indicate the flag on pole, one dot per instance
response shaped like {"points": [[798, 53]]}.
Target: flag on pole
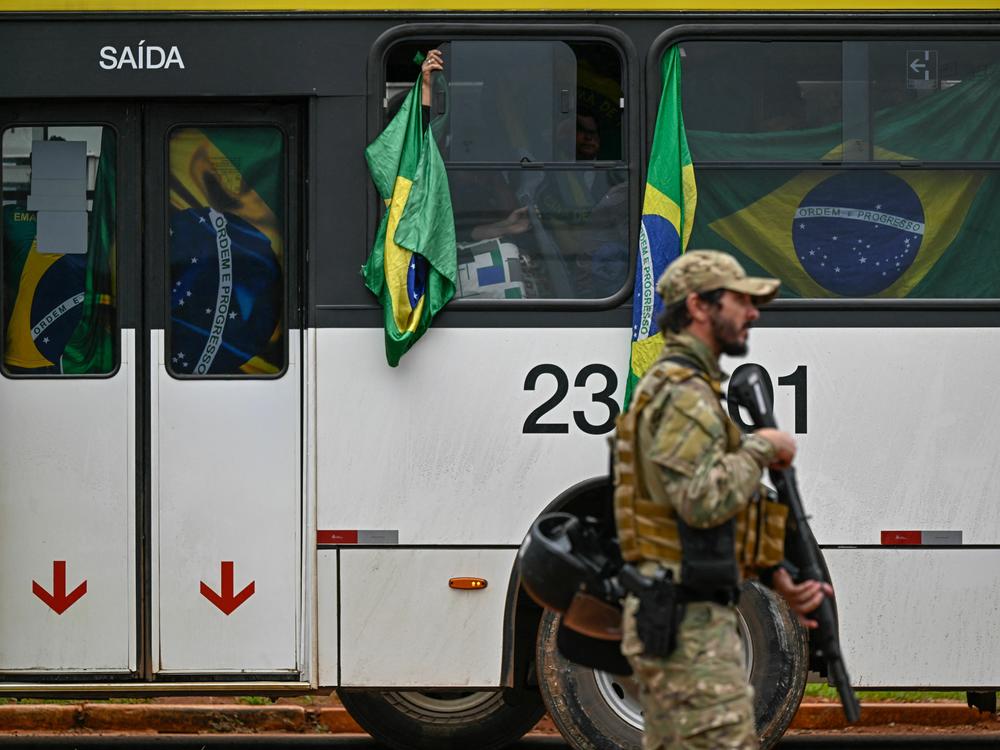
{"points": [[413, 265], [667, 218]]}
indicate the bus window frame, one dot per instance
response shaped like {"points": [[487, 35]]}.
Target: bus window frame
{"points": [[838, 30], [632, 116], [120, 266], [288, 306]]}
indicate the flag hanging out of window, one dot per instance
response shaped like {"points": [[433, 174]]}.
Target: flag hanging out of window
{"points": [[667, 218], [412, 267]]}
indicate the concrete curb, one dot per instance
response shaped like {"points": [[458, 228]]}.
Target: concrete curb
{"points": [[235, 719]]}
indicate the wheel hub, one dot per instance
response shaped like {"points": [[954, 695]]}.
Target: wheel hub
{"points": [[622, 696], [622, 693]]}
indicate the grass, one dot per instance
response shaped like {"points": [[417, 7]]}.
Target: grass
{"points": [[254, 700], [820, 690]]}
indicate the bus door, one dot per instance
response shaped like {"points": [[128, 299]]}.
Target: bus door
{"points": [[223, 341], [68, 404], [150, 393]]}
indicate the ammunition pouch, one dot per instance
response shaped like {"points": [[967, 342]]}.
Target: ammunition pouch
{"points": [[760, 528], [709, 569]]}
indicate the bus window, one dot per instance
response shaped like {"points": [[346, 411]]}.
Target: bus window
{"points": [[824, 202], [531, 133], [227, 251], [59, 253], [765, 91], [946, 105]]}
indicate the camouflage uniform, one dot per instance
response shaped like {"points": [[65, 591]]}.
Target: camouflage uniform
{"points": [[694, 461]]}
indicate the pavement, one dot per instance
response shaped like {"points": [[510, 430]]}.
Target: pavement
{"points": [[324, 715]]}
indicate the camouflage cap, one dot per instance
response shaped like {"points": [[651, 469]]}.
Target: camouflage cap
{"points": [[705, 270]]}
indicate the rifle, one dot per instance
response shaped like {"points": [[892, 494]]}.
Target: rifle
{"points": [[748, 390]]}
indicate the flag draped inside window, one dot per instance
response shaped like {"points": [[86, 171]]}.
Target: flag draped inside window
{"points": [[91, 348], [667, 217], [412, 267]]}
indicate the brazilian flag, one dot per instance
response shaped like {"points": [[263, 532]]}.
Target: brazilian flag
{"points": [[227, 251], [907, 230], [60, 307], [413, 266], [667, 219]]}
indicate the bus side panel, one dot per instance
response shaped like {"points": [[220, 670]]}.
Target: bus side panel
{"points": [[898, 434], [227, 509], [67, 484], [918, 618], [327, 594], [443, 449], [403, 625]]}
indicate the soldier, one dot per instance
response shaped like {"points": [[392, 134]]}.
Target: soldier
{"points": [[689, 509]]}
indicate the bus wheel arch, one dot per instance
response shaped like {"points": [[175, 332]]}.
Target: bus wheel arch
{"points": [[591, 497]]}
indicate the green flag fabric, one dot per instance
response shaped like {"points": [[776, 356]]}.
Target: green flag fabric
{"points": [[91, 348], [667, 217], [412, 268]]}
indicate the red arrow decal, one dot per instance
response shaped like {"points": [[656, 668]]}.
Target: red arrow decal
{"points": [[59, 601], [227, 602]]}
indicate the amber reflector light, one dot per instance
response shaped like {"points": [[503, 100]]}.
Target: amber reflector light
{"points": [[467, 584]]}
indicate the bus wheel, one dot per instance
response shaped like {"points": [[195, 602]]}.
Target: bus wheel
{"points": [[593, 710], [598, 711], [777, 658], [444, 720]]}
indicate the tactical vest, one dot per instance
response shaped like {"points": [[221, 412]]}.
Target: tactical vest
{"points": [[647, 530]]}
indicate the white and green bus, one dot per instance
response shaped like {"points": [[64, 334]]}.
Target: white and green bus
{"points": [[211, 481]]}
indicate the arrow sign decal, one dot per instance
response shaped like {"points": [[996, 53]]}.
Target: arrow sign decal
{"points": [[59, 601], [227, 601]]}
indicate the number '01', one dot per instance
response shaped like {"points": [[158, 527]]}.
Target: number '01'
{"points": [[796, 379]]}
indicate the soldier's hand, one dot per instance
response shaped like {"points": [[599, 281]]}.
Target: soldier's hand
{"points": [[784, 446], [803, 597]]}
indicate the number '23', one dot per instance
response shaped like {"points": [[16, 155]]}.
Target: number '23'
{"points": [[533, 423]]}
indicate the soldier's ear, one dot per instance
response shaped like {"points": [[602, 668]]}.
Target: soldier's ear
{"points": [[697, 307]]}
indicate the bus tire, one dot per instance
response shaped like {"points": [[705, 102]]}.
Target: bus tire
{"points": [[597, 711], [444, 720], [593, 710], [777, 648]]}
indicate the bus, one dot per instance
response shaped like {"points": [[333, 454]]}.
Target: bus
{"points": [[210, 480]]}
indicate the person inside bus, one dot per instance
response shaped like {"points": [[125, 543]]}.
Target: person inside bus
{"points": [[585, 211], [517, 229], [490, 222]]}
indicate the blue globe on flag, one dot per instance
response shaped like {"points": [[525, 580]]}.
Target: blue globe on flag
{"points": [[57, 305], [857, 233], [226, 293]]}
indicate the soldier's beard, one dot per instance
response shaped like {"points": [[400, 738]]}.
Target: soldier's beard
{"points": [[727, 335]]}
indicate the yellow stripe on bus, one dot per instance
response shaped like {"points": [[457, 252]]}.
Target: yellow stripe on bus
{"points": [[490, 5]]}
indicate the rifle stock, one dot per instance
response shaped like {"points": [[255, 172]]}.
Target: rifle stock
{"points": [[749, 391]]}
